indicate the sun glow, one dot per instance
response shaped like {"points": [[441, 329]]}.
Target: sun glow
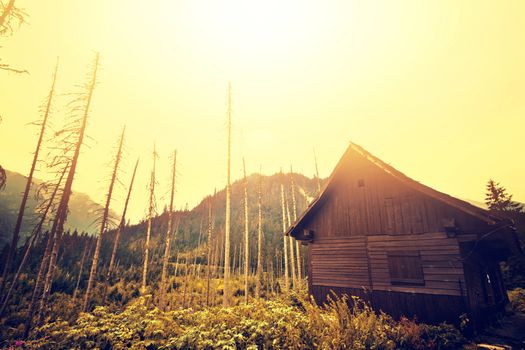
{"points": [[306, 73]]}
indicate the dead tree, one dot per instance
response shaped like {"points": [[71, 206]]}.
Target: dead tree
{"points": [[34, 236], [18, 225], [291, 245], [85, 254], [317, 174], [208, 252], [103, 224], [165, 260], [285, 241], [294, 213], [246, 235], [226, 296], [121, 225], [259, 241], [78, 129], [150, 218]]}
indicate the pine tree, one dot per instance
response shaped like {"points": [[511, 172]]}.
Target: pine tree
{"points": [[497, 198]]}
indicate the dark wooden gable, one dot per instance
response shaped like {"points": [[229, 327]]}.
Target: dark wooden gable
{"points": [[364, 196]]}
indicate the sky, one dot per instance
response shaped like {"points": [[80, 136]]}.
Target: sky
{"points": [[434, 88]]}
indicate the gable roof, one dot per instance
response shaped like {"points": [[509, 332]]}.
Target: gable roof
{"points": [[466, 207]]}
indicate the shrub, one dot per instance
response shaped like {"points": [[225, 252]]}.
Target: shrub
{"points": [[291, 322], [517, 299]]}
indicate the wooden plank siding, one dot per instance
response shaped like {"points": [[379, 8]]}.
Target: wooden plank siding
{"points": [[340, 262], [351, 261], [369, 211], [428, 308], [380, 205], [440, 260]]}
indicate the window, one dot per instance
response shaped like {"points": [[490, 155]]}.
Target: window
{"points": [[405, 268]]}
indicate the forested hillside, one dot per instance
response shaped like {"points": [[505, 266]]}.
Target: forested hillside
{"points": [[190, 236], [80, 216]]}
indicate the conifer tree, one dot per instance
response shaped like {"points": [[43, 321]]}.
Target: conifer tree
{"points": [[497, 198]]}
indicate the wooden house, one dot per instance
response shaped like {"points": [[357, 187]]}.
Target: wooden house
{"points": [[404, 247]]}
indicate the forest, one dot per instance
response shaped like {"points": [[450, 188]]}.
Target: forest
{"points": [[219, 275]]}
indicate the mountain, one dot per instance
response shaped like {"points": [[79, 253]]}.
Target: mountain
{"points": [[81, 208], [192, 227]]}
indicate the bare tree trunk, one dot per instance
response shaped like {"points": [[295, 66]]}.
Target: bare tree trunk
{"points": [[39, 280], [85, 254], [176, 265], [32, 239], [121, 225], [297, 246], [103, 226], [317, 174], [226, 296], [195, 270], [150, 218], [291, 245], [285, 239], [165, 260], [185, 284], [246, 235], [208, 252], [64, 203], [259, 240], [18, 225]]}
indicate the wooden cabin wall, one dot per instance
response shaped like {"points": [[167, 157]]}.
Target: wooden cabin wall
{"points": [[340, 262], [429, 308], [440, 261], [365, 200]]}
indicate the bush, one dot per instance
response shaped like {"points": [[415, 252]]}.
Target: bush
{"points": [[517, 299], [291, 322]]}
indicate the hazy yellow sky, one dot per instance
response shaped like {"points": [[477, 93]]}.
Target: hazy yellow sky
{"points": [[435, 88]]}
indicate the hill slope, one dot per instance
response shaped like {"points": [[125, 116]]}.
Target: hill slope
{"points": [[80, 217]]}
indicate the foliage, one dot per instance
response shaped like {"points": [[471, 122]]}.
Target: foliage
{"points": [[497, 198], [292, 322], [517, 299]]}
